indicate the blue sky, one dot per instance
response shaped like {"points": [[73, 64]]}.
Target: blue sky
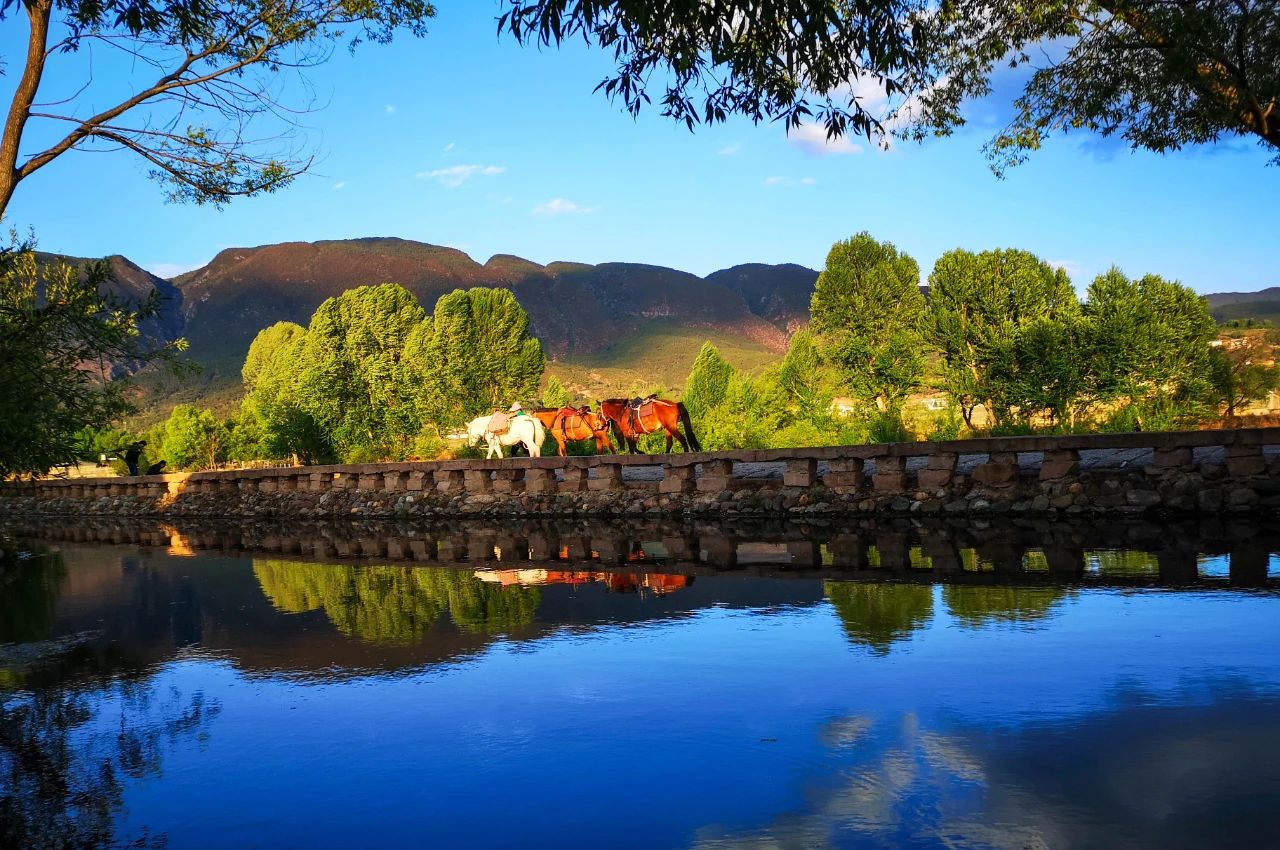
{"points": [[469, 140]]}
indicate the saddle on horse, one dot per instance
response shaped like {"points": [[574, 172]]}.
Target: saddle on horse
{"points": [[637, 408], [499, 423]]}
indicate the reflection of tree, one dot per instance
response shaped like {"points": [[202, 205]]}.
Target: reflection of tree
{"points": [[385, 604], [976, 607], [28, 594], [878, 615], [63, 769]]}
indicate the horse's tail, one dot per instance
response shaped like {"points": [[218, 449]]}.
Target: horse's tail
{"points": [[688, 426]]}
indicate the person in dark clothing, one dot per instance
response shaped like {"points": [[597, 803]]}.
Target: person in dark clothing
{"points": [[132, 455], [156, 468]]}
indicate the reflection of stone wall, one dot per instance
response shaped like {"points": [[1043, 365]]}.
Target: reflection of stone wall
{"points": [[995, 551], [1199, 472]]}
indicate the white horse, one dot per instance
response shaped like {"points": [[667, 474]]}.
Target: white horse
{"points": [[521, 429]]}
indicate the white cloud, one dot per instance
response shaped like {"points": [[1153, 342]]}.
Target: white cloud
{"points": [[1071, 267], [456, 175], [341, 184], [812, 139], [448, 147], [391, 108], [168, 270], [561, 206], [789, 181], [729, 150]]}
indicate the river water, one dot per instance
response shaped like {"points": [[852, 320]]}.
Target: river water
{"points": [[641, 687]]}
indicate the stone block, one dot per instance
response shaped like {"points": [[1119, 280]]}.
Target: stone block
{"points": [[508, 481], [537, 480], [448, 481], [1000, 470], [575, 479], [845, 474], [416, 480], [943, 460], [1245, 461], [889, 482], [1060, 464], [267, 485], [284, 484], [393, 481], [1178, 457], [932, 479], [717, 475], [477, 481], [370, 481], [608, 478], [801, 472], [676, 479]]}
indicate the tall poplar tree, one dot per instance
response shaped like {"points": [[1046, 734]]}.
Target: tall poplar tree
{"points": [[866, 312]]}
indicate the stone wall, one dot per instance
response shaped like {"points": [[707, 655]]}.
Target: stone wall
{"points": [[1193, 472]]}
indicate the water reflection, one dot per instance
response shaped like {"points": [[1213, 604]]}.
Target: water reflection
{"points": [[1185, 769], [860, 685]]}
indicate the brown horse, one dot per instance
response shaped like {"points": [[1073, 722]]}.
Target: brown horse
{"points": [[653, 415], [565, 423]]}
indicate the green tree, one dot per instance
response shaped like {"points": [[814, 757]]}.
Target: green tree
{"points": [[979, 306], [1148, 344], [475, 355], [272, 410], [866, 313], [1161, 75], [207, 73], [1049, 375], [1243, 371], [193, 439], [352, 376], [556, 395], [707, 383], [63, 344]]}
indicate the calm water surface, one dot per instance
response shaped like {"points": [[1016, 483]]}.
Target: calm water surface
{"points": [[172, 698]]}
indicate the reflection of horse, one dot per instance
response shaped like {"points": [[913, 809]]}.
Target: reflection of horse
{"points": [[567, 424], [654, 414], [525, 430]]}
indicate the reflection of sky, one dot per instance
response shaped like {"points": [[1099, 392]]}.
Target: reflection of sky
{"points": [[732, 728]]}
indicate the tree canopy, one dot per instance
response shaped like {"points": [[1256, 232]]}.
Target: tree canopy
{"points": [[981, 305], [1160, 75], [867, 312]]}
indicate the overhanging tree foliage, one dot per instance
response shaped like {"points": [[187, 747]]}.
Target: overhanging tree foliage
{"points": [[206, 77], [1160, 74]]}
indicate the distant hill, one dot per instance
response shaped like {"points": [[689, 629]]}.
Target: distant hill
{"points": [[577, 310], [779, 294], [135, 284], [1263, 305]]}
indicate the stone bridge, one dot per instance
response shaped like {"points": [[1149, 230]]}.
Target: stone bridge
{"points": [[1178, 472]]}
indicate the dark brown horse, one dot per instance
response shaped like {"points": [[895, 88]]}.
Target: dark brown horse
{"points": [[653, 415], [566, 423]]}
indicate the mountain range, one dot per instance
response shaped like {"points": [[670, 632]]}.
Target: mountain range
{"points": [[612, 327]]}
